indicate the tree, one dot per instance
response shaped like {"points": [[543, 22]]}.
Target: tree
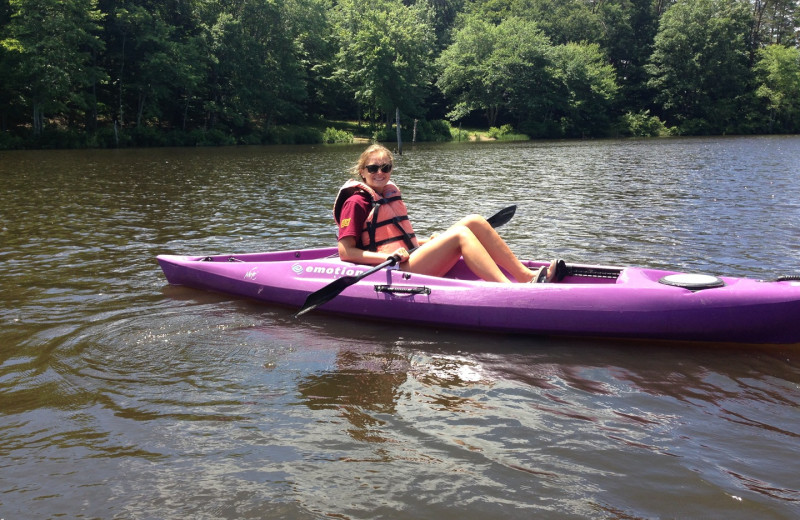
{"points": [[624, 29], [272, 81], [385, 56], [147, 62], [548, 90], [775, 21], [629, 28], [55, 43], [8, 65], [493, 67], [564, 21], [256, 76], [444, 14], [157, 65], [588, 89], [778, 73], [309, 22], [699, 65]]}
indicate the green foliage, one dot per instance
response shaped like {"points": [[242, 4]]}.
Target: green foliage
{"points": [[564, 21], [332, 136], [436, 130], [53, 44], [254, 66], [699, 67], [588, 89], [9, 141], [776, 22], [506, 133], [457, 134], [188, 72], [493, 67], [385, 54], [624, 29], [778, 78], [641, 124], [514, 68]]}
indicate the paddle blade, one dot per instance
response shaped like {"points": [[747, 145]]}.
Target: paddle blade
{"points": [[502, 217], [326, 294]]}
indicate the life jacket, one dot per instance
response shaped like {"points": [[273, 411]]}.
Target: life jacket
{"points": [[387, 226]]}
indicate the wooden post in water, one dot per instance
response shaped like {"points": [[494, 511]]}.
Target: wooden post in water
{"points": [[399, 139]]}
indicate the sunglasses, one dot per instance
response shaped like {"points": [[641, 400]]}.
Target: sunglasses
{"points": [[373, 168]]}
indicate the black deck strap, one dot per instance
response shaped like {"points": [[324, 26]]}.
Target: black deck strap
{"points": [[788, 278], [211, 259], [402, 289], [593, 272]]}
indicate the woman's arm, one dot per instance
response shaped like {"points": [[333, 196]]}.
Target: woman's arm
{"points": [[350, 253]]}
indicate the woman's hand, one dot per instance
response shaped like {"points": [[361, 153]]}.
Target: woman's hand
{"points": [[401, 254]]}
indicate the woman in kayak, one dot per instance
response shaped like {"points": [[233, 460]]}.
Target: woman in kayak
{"points": [[373, 223]]}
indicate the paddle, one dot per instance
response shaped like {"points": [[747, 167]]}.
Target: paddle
{"points": [[333, 289]]}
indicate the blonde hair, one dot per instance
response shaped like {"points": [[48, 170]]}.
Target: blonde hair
{"points": [[355, 171]]}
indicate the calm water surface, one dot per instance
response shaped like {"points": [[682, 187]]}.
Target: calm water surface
{"points": [[122, 397]]}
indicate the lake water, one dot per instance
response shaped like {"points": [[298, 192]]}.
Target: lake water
{"points": [[123, 397]]}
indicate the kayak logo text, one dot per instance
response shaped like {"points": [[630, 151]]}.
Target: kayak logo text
{"points": [[334, 271]]}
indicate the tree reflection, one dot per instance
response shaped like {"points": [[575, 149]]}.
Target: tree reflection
{"points": [[364, 383], [369, 382]]}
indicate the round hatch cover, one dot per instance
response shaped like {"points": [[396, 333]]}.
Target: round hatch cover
{"points": [[692, 281]]}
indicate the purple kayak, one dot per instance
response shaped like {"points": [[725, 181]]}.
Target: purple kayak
{"points": [[591, 301]]}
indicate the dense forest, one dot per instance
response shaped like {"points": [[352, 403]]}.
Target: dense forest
{"points": [[107, 73]]}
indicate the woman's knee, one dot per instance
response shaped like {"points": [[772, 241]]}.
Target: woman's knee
{"points": [[472, 220], [475, 223], [460, 229]]}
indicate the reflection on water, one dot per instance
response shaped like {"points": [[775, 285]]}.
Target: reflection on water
{"points": [[123, 397]]}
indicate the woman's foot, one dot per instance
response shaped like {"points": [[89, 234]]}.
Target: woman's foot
{"points": [[555, 272], [540, 275]]}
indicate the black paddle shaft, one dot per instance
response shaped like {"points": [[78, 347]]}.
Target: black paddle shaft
{"points": [[333, 289]]}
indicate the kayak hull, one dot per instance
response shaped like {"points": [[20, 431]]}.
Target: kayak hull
{"points": [[593, 301]]}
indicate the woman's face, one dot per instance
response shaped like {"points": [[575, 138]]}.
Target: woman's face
{"points": [[377, 171]]}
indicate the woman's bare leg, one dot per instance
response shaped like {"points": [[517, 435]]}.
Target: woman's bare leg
{"points": [[439, 255], [497, 247]]}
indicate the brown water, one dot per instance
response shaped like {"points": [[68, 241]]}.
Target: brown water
{"points": [[122, 397]]}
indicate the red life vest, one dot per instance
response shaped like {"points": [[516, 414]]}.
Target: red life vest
{"points": [[387, 226]]}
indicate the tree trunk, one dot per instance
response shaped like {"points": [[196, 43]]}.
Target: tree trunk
{"points": [[491, 115], [140, 108], [121, 71], [38, 119], [185, 113], [93, 118], [399, 138]]}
